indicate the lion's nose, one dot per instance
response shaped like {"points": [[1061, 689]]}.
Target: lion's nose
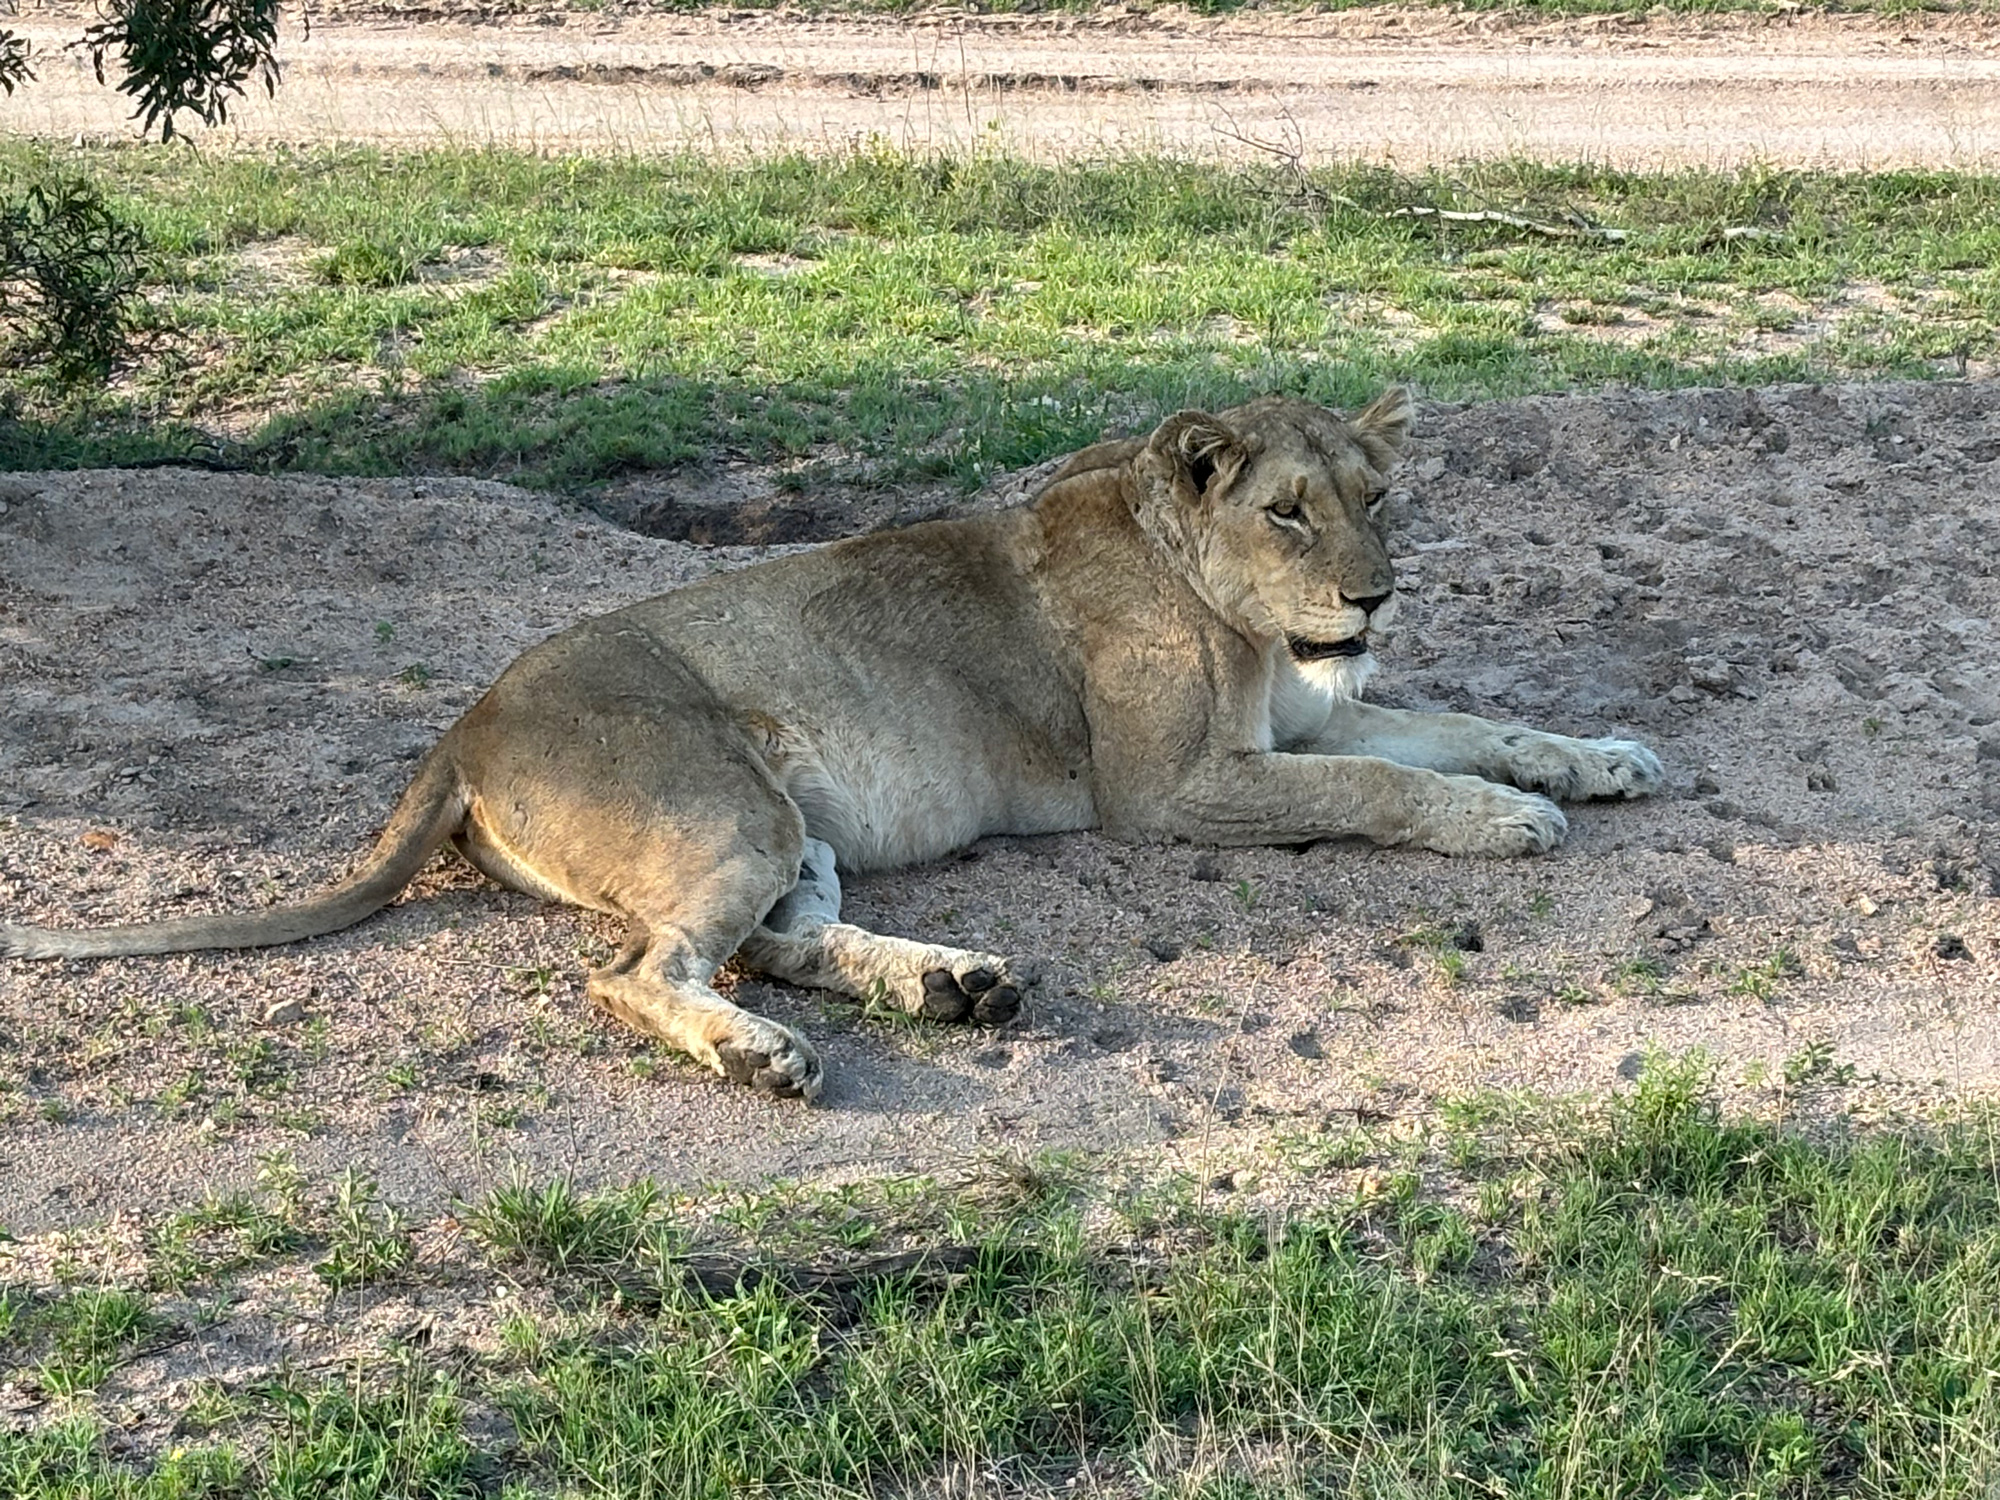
{"points": [[1372, 603]]}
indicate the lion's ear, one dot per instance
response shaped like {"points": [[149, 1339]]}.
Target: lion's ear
{"points": [[1383, 427], [1200, 447]]}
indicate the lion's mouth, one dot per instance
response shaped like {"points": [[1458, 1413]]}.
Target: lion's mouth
{"points": [[1305, 650]]}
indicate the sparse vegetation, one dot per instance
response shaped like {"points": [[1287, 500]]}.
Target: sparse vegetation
{"points": [[85, 1333], [1638, 1298], [368, 1240]]}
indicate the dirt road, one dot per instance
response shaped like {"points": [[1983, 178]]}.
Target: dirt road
{"points": [[1413, 87]]}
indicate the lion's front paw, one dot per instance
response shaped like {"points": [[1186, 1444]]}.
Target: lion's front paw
{"points": [[1624, 768], [981, 988], [1575, 770], [1486, 818], [769, 1058]]}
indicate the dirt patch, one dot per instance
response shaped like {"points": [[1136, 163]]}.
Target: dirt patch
{"points": [[1412, 87], [212, 687]]}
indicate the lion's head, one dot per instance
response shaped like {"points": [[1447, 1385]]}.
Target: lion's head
{"points": [[1270, 507]]}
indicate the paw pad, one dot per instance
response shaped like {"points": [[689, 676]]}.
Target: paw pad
{"points": [[747, 1066], [978, 995], [944, 999]]}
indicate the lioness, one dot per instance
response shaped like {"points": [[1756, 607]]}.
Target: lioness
{"points": [[1167, 643]]}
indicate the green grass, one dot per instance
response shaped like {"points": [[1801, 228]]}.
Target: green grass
{"points": [[564, 322], [79, 1336], [1651, 1300]]}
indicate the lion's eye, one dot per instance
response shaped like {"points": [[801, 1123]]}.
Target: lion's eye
{"points": [[1286, 510], [1375, 499]]}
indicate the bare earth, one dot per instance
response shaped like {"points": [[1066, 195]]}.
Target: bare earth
{"points": [[212, 686], [1410, 87]]}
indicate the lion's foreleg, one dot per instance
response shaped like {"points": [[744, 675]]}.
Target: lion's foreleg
{"points": [[1465, 745], [1294, 799]]}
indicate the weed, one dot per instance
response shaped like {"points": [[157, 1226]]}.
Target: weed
{"points": [[369, 264], [1760, 981], [1643, 975], [1814, 1066], [561, 1229], [179, 1093], [367, 1240], [219, 1236], [91, 1329], [533, 981]]}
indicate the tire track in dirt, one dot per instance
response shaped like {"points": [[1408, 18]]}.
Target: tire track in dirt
{"points": [[1413, 87]]}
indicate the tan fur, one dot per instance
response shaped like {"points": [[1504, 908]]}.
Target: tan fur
{"points": [[1124, 653]]}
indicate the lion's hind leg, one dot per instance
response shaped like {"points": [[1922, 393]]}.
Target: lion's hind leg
{"points": [[690, 900], [660, 986], [803, 941], [610, 779]]}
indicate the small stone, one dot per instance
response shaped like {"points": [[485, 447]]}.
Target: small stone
{"points": [[1467, 938], [1711, 674], [1306, 1044], [284, 1012], [1207, 868], [1160, 1070], [1951, 946], [1164, 949], [1821, 779]]}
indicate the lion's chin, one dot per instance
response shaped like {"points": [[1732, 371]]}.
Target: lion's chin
{"points": [[1339, 677]]}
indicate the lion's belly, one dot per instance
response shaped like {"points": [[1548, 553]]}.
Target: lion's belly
{"points": [[882, 798]]}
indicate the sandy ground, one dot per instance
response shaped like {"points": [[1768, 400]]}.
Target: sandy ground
{"points": [[1410, 87], [212, 686]]}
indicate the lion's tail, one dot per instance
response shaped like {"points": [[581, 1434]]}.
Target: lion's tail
{"points": [[429, 813]]}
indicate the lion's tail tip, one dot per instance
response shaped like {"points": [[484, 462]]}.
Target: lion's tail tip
{"points": [[27, 942]]}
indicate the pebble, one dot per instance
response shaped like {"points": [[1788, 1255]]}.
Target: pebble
{"points": [[284, 1012]]}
